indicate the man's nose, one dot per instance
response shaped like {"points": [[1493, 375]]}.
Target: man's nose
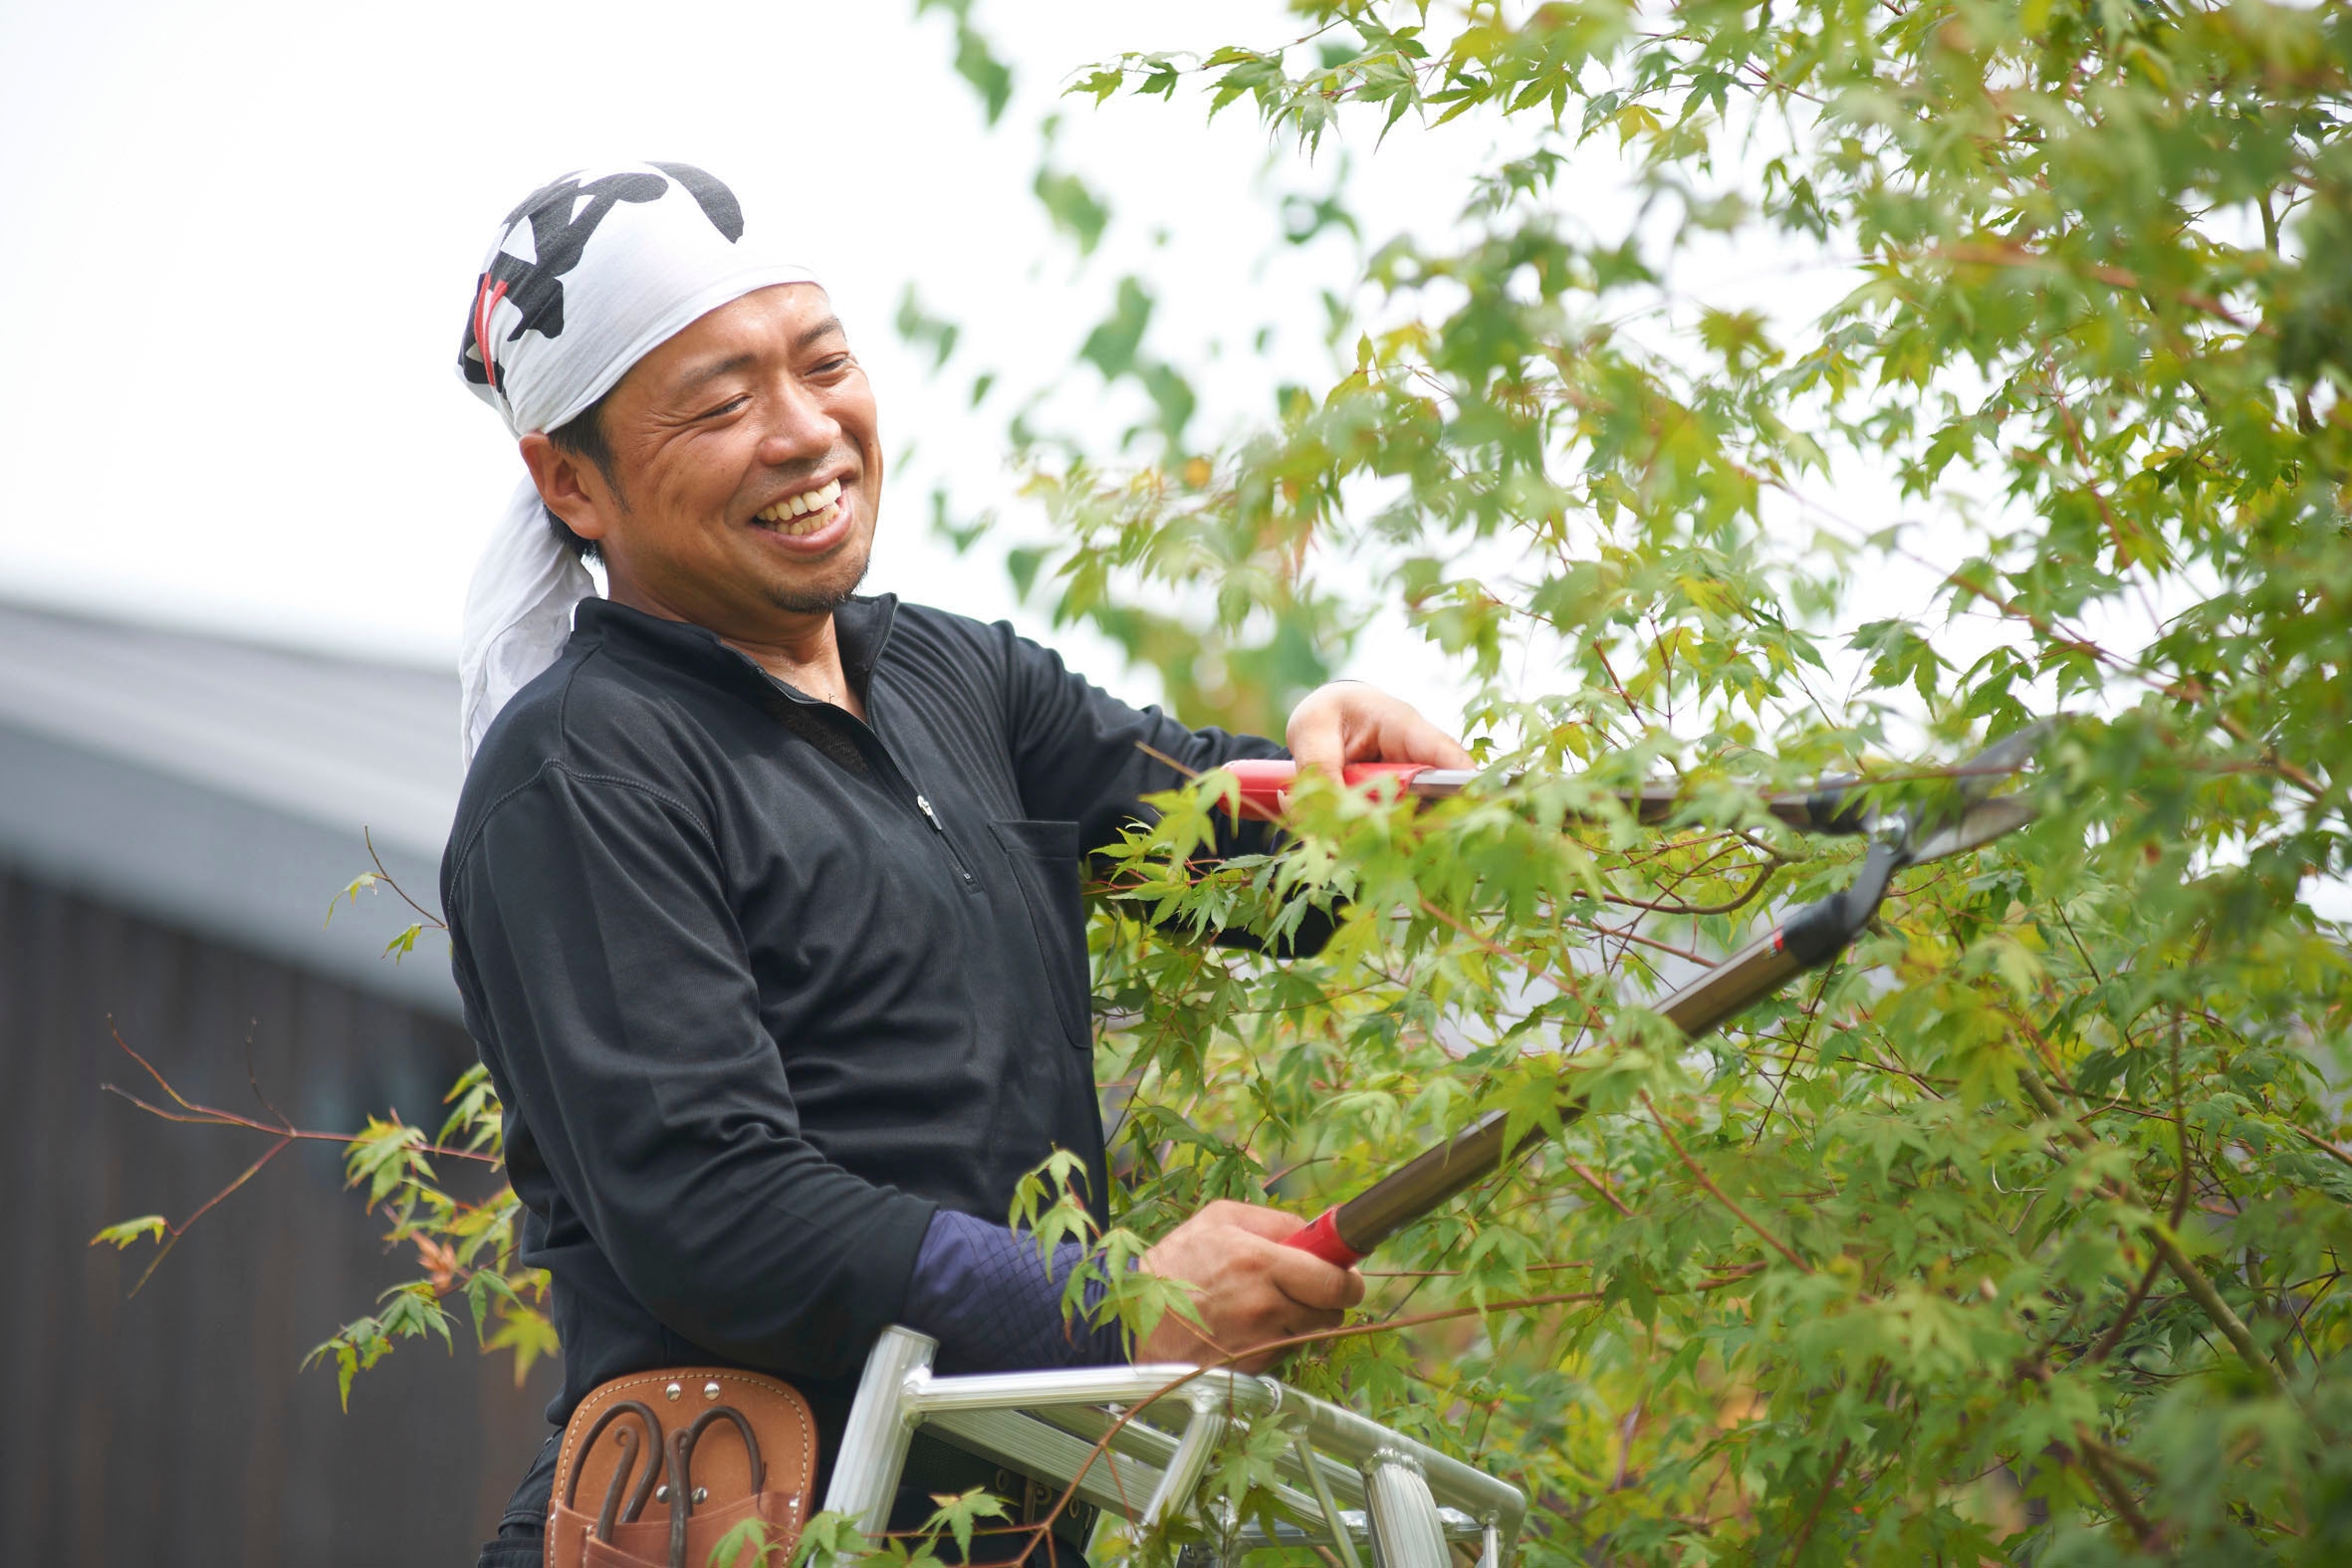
{"points": [[798, 426]]}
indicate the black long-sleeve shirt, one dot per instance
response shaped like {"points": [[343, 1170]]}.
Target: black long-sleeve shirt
{"points": [[762, 986]]}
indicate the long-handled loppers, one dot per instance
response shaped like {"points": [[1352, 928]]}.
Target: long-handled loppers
{"points": [[1804, 939]]}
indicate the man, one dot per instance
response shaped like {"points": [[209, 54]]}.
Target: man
{"points": [[765, 895]]}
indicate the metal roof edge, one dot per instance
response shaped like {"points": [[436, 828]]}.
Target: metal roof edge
{"points": [[228, 867], [93, 618]]}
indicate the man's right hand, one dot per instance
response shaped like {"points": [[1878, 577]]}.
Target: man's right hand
{"points": [[1249, 1289]]}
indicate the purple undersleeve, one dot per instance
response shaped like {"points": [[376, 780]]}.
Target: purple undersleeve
{"points": [[995, 1305]]}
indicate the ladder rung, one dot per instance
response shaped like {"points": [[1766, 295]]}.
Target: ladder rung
{"points": [[1030, 1445]]}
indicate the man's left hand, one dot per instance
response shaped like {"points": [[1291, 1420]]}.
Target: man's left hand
{"points": [[1349, 722]]}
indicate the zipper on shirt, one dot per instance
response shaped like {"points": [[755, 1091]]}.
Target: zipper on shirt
{"points": [[922, 804], [890, 761]]}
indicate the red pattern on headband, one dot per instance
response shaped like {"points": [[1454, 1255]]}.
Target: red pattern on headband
{"points": [[486, 299]]}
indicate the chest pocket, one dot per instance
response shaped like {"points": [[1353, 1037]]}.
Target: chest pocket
{"points": [[1044, 859]]}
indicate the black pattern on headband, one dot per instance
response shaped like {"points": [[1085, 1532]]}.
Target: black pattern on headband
{"points": [[564, 215]]}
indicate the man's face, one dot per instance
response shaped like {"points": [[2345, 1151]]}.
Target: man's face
{"points": [[715, 437]]}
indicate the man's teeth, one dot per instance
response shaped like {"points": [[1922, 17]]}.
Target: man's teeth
{"points": [[804, 513]]}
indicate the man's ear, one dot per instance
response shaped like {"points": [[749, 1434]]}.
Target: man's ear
{"points": [[568, 485]]}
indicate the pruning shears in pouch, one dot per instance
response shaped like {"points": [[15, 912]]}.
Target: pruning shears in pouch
{"points": [[1804, 939]]}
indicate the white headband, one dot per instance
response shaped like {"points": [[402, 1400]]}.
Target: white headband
{"points": [[591, 273]]}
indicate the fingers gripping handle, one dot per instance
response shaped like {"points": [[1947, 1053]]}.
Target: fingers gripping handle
{"points": [[1266, 780], [1323, 1240]]}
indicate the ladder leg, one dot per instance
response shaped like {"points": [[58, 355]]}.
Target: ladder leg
{"points": [[1185, 1467], [1342, 1539], [1403, 1515], [881, 1422]]}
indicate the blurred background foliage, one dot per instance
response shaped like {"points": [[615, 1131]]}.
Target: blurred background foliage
{"points": [[2018, 1235]]}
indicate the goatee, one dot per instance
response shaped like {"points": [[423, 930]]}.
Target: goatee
{"points": [[820, 599]]}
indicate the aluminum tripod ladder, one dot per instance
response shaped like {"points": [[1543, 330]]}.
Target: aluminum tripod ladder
{"points": [[1344, 1482]]}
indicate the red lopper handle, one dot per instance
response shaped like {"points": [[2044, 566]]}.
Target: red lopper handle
{"points": [[1323, 1240], [1266, 780]]}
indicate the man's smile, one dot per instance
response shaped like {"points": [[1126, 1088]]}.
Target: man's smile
{"points": [[807, 514]]}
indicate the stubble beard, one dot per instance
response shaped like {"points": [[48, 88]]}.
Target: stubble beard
{"points": [[823, 597]]}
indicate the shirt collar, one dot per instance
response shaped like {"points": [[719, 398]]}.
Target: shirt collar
{"points": [[862, 626]]}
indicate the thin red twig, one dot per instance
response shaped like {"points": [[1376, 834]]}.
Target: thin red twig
{"points": [[284, 1135], [1717, 1192]]}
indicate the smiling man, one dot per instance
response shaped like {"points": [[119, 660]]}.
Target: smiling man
{"points": [[765, 894]]}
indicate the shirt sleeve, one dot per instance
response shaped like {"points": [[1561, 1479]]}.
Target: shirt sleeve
{"points": [[1083, 756], [611, 971], [994, 1303]]}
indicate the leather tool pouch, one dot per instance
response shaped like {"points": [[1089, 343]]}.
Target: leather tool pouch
{"points": [[656, 1467]]}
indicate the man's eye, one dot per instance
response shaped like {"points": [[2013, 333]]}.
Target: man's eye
{"points": [[727, 407], [832, 363]]}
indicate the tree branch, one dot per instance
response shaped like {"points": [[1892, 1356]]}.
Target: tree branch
{"points": [[284, 1135], [1717, 1192]]}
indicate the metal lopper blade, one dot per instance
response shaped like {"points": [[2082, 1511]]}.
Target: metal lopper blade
{"points": [[1978, 825], [1984, 816]]}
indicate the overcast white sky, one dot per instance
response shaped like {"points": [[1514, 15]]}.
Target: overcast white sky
{"points": [[240, 238]]}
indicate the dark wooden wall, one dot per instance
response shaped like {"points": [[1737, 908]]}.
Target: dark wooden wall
{"points": [[173, 1427]]}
